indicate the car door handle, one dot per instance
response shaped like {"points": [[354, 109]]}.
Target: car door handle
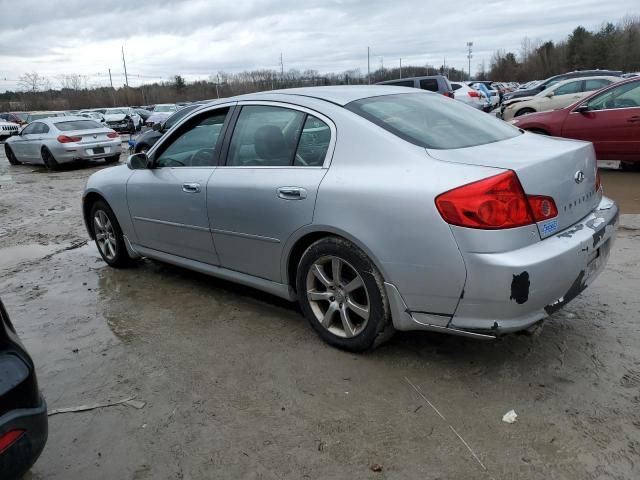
{"points": [[191, 187], [634, 119], [292, 193]]}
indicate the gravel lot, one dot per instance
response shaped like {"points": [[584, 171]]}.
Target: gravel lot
{"points": [[237, 385]]}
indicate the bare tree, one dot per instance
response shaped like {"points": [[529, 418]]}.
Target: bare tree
{"points": [[33, 82]]}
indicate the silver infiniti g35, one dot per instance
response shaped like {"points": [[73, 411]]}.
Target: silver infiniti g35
{"points": [[56, 140], [377, 208]]}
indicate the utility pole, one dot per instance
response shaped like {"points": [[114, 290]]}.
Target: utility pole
{"points": [[382, 63], [110, 79], [469, 49], [400, 67], [124, 63], [281, 67], [368, 65], [113, 94]]}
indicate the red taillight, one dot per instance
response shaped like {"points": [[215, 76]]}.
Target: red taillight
{"points": [[67, 139], [9, 439], [598, 182], [448, 94], [494, 203], [474, 93], [543, 208], [113, 135]]}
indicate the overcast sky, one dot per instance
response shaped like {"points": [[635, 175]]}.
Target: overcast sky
{"points": [[197, 38]]}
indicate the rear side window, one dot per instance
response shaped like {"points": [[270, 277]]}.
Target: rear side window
{"points": [[265, 137], [595, 84], [456, 86], [568, 88], [77, 125], [313, 144], [401, 83], [432, 121], [430, 84]]}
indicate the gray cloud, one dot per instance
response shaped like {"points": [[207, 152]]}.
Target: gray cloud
{"points": [[197, 38]]}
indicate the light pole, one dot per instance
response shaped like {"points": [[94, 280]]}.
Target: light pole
{"points": [[469, 49], [400, 67]]}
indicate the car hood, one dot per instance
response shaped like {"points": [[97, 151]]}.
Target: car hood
{"points": [[158, 117], [114, 117], [8, 124]]}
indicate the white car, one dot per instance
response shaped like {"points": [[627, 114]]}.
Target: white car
{"points": [[122, 119], [7, 129], [559, 95], [470, 96]]}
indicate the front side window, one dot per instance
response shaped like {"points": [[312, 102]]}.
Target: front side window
{"points": [[430, 84], [432, 121], [622, 96], [265, 136], [568, 88], [195, 143]]}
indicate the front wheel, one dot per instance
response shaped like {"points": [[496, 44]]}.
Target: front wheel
{"points": [[342, 295], [108, 236], [524, 111], [11, 156]]}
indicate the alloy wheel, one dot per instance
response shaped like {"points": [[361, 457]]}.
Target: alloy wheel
{"points": [[338, 296], [105, 236]]}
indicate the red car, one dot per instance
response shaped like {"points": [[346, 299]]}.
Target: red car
{"points": [[609, 118]]}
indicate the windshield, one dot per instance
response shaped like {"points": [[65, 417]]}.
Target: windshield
{"points": [[21, 116], [432, 121], [77, 125], [38, 116], [116, 111], [165, 108]]}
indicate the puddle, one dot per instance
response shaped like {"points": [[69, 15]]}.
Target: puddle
{"points": [[13, 256]]}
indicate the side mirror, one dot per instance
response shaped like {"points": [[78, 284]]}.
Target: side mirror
{"points": [[157, 126], [138, 161], [550, 94], [584, 108]]}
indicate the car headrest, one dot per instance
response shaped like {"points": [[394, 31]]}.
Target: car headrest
{"points": [[269, 143]]}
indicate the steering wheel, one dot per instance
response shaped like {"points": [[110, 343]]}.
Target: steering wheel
{"points": [[202, 158]]}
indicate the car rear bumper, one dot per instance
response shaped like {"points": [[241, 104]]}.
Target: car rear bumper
{"points": [[512, 291], [74, 152], [16, 460]]}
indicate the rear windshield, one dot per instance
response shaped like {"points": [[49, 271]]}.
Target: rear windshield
{"points": [[432, 121], [77, 125]]}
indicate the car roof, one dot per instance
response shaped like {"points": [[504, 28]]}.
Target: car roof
{"points": [[580, 79], [338, 94]]}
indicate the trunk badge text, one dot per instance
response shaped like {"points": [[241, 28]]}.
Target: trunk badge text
{"points": [[579, 176]]}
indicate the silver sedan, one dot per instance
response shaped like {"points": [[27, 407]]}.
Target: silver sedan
{"points": [[376, 208], [57, 140]]}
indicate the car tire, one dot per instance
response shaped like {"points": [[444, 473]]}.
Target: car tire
{"points": [[112, 159], [348, 308], [108, 236], [524, 111], [630, 166], [11, 156], [49, 160]]}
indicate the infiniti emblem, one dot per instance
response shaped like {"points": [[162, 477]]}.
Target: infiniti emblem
{"points": [[579, 176]]}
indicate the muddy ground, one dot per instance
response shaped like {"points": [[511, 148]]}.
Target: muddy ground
{"points": [[237, 385]]}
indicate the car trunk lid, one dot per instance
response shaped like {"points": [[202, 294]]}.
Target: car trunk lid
{"points": [[559, 168], [90, 136]]}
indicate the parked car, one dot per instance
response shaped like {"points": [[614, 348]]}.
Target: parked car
{"points": [[609, 118], [7, 129], [432, 83], [23, 410], [557, 96], [558, 78], [492, 91], [149, 137], [479, 231], [15, 117], [33, 116], [160, 113], [122, 119], [97, 116], [144, 113], [54, 141], [470, 96]]}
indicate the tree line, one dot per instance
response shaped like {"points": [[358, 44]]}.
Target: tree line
{"points": [[611, 47]]}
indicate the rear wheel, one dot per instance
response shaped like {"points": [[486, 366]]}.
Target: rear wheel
{"points": [[49, 160], [11, 156], [524, 111], [342, 295], [108, 236]]}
